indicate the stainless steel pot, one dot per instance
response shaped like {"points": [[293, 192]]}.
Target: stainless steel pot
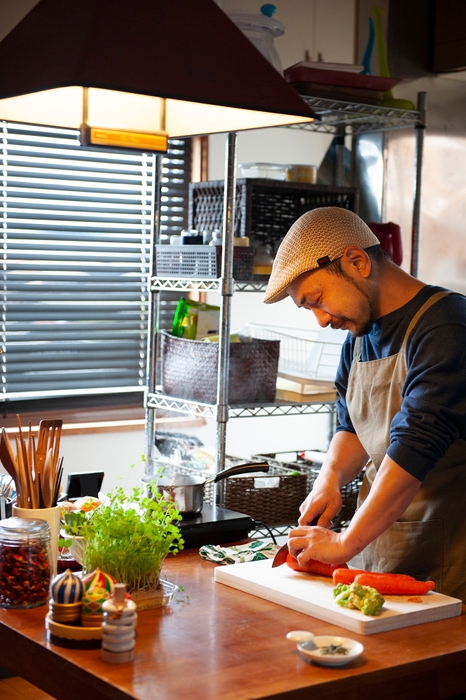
{"points": [[187, 490]]}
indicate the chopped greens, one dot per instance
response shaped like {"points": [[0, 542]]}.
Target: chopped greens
{"points": [[333, 649]]}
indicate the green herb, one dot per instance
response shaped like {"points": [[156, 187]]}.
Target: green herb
{"points": [[333, 649], [128, 536]]}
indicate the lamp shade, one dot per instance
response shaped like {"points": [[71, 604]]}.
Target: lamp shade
{"points": [[175, 67]]}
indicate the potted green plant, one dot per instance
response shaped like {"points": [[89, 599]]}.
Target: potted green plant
{"points": [[128, 536]]}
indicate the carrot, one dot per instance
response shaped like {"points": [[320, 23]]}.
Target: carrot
{"points": [[391, 584], [313, 566], [347, 576]]}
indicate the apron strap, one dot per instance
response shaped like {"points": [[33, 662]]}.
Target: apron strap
{"points": [[430, 302], [357, 349]]}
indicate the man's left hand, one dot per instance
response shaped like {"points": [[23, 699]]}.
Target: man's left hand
{"points": [[307, 543]]}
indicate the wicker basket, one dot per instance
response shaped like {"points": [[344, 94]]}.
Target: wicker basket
{"points": [[189, 370], [272, 498], [349, 493], [202, 261], [264, 208]]}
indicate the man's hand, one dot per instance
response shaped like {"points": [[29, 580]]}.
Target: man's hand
{"points": [[324, 502], [307, 543], [391, 493], [345, 459]]}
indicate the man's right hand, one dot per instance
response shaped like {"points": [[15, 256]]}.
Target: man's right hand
{"points": [[345, 459], [323, 503]]}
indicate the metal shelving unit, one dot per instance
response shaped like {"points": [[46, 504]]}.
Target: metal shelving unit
{"points": [[340, 118], [279, 408], [357, 118]]}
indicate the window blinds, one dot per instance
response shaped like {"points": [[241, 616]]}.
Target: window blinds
{"points": [[76, 234]]}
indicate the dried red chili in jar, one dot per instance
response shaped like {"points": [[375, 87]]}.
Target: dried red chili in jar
{"points": [[25, 563]]}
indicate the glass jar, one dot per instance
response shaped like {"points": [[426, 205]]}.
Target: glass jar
{"points": [[25, 563]]}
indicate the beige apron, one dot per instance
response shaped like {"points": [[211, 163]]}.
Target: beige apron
{"points": [[429, 539]]}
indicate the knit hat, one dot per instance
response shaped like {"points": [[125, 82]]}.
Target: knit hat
{"points": [[318, 237]]}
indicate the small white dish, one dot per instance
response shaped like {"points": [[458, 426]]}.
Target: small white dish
{"points": [[300, 636], [324, 650]]}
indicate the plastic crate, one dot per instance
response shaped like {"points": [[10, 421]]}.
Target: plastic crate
{"points": [[302, 357], [202, 261], [311, 470], [189, 370], [264, 209]]}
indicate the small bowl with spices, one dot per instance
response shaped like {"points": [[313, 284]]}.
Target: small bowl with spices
{"points": [[330, 651]]}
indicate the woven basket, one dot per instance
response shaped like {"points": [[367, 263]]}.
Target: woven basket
{"points": [[264, 208], [189, 370], [272, 498], [349, 493]]}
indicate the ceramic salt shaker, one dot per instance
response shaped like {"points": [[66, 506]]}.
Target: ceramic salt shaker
{"points": [[118, 627]]}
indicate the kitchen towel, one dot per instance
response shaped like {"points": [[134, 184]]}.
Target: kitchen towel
{"points": [[253, 551]]}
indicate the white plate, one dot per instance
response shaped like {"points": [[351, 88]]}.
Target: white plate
{"points": [[318, 656]]}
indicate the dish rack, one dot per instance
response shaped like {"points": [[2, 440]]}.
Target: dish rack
{"points": [[301, 356]]}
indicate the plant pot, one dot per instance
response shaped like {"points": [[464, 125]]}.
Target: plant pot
{"points": [[76, 548]]}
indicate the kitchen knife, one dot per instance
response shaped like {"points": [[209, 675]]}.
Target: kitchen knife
{"points": [[280, 557]]}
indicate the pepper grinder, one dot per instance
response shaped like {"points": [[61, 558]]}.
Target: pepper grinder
{"points": [[118, 627]]}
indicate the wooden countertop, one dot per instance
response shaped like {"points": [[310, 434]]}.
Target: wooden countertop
{"points": [[216, 642]]}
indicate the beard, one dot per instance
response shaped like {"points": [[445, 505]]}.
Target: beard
{"points": [[362, 325]]}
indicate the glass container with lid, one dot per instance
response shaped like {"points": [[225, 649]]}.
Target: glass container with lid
{"points": [[25, 563]]}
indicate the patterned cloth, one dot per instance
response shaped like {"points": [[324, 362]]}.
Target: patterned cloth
{"points": [[254, 551]]}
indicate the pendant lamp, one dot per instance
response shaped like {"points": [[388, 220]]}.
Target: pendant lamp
{"points": [[133, 73]]}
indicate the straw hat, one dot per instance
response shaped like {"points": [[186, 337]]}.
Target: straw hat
{"points": [[318, 237]]}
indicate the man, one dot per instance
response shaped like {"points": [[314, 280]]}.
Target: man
{"points": [[401, 406]]}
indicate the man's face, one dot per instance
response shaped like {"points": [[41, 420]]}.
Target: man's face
{"points": [[344, 303]]}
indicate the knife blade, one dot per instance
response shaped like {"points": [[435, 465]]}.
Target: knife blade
{"points": [[280, 556]]}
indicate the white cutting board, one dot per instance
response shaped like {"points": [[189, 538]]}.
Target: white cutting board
{"points": [[312, 595]]}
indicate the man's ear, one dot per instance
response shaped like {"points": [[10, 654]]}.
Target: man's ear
{"points": [[356, 261]]}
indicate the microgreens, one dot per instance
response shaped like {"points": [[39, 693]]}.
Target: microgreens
{"points": [[128, 536]]}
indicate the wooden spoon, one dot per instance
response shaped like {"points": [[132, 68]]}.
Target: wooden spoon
{"points": [[6, 455]]}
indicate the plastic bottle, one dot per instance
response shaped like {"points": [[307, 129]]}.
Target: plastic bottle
{"points": [[118, 627], [216, 238]]}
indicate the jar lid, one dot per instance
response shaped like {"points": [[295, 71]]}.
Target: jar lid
{"points": [[17, 529]]}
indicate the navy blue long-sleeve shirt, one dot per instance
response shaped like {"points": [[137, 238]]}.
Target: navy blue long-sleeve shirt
{"points": [[433, 412]]}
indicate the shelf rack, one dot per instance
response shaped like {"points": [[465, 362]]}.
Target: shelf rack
{"points": [[184, 284], [357, 118], [337, 117], [278, 408]]}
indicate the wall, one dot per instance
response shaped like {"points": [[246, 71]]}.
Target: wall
{"points": [[319, 27], [442, 258]]}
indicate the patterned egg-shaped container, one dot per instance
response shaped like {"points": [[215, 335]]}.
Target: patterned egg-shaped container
{"points": [[66, 588], [93, 599], [98, 578]]}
